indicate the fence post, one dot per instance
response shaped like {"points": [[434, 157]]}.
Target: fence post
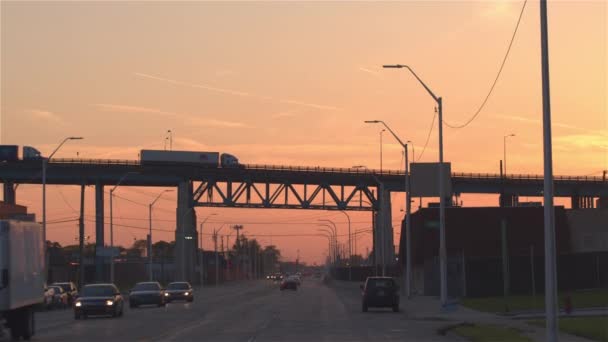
{"points": [[505, 262], [464, 275], [597, 270], [532, 272]]}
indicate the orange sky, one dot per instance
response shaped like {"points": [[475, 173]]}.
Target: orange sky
{"points": [[291, 83]]}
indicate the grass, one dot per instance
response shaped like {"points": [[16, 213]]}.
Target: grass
{"points": [[595, 328], [580, 299], [489, 333]]}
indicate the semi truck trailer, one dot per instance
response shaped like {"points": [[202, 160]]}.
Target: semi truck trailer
{"points": [[208, 159], [21, 275]]}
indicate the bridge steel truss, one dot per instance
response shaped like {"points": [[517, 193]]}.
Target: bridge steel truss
{"points": [[284, 195]]}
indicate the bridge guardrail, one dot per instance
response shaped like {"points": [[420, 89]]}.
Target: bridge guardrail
{"points": [[488, 176], [95, 161]]}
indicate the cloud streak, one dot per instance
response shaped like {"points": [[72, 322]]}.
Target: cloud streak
{"points": [[189, 119], [44, 115], [236, 92], [555, 124]]}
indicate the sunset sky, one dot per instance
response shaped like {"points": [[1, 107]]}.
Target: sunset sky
{"points": [[290, 83]]}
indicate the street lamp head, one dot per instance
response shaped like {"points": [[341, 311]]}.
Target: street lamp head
{"points": [[372, 121], [75, 138], [393, 66]]}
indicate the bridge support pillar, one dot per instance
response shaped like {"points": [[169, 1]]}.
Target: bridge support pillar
{"points": [[385, 248], [508, 200], [186, 235], [9, 193], [99, 233]]}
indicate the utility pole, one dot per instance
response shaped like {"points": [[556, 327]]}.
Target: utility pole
{"points": [[549, 210], [81, 239], [217, 259], [238, 228]]}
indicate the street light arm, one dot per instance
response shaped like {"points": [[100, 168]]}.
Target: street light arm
{"points": [[63, 142], [424, 85], [393, 133], [158, 197]]}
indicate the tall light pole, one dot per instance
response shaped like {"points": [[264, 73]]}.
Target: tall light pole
{"points": [[150, 233], [200, 252], [44, 165], [504, 152], [328, 243], [549, 210], [350, 244], [112, 224], [217, 259], [170, 139], [330, 237], [442, 249], [408, 208], [335, 240], [382, 131], [334, 228]]}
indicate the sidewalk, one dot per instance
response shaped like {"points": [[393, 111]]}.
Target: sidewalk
{"points": [[427, 308]]}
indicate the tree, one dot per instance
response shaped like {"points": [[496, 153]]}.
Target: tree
{"points": [[138, 248]]}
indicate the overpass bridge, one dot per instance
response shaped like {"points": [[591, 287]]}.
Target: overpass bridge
{"points": [[275, 186]]}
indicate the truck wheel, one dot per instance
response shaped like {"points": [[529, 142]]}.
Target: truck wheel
{"points": [[28, 325]]}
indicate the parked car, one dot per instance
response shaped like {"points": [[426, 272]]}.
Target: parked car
{"points": [[99, 299], [49, 298], [149, 292], [179, 290], [70, 289], [289, 283], [380, 292], [60, 297]]}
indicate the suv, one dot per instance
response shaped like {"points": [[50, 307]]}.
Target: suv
{"points": [[70, 289], [380, 292]]}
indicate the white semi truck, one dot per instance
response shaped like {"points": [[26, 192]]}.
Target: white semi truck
{"points": [[206, 159], [21, 275]]}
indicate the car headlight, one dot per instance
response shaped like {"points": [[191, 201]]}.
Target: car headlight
{"points": [[166, 294], [78, 304], [186, 293], [109, 303]]}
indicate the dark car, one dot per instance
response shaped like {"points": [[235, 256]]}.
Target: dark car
{"points": [[380, 292], [179, 290], [70, 290], [289, 283], [99, 299], [146, 293]]}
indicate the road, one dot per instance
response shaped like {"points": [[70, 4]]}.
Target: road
{"points": [[249, 311]]}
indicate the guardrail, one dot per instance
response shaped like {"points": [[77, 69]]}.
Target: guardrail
{"points": [[94, 161], [360, 171]]}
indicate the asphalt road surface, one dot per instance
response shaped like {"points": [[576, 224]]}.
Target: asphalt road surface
{"points": [[248, 311]]}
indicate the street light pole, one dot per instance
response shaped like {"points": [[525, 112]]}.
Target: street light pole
{"points": [[350, 252], [504, 153], [382, 131], [442, 247], [549, 210], [200, 252], [150, 233], [334, 229], [112, 225], [408, 207], [44, 166]]}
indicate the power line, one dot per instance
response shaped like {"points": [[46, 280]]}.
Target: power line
{"points": [[428, 137], [504, 60], [66, 201]]}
